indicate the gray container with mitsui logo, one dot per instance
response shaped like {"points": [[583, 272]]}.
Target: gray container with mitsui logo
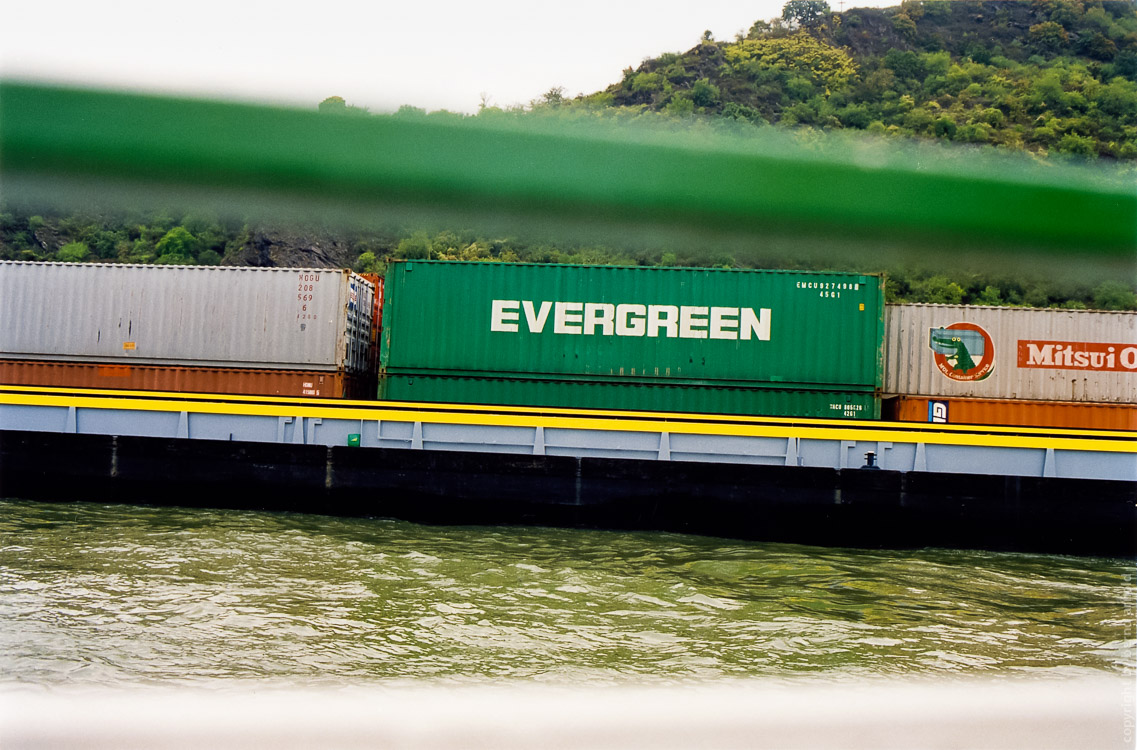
{"points": [[1011, 353], [188, 316]]}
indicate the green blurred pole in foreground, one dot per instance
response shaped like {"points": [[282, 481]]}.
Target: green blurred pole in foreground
{"points": [[77, 148]]}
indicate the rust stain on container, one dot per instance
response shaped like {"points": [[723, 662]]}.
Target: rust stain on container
{"points": [[107, 371]]}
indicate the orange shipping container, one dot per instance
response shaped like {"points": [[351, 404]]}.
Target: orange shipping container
{"points": [[232, 381], [377, 312], [1096, 416], [376, 318]]}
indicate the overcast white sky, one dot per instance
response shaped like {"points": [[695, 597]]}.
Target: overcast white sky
{"points": [[430, 54]]}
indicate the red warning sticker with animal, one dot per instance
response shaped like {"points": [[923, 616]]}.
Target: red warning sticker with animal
{"points": [[963, 351]]}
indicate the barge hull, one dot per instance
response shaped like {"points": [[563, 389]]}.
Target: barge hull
{"points": [[811, 505]]}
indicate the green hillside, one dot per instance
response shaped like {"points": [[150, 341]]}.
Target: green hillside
{"points": [[1049, 76], [1054, 78]]}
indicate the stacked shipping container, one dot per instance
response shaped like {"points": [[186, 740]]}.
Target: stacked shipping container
{"points": [[1011, 366], [376, 321], [689, 340], [274, 331], [238, 381], [661, 339]]}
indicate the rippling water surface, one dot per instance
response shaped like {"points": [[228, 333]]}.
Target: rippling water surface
{"points": [[125, 595]]}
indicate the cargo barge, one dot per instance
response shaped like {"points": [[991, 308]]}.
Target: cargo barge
{"points": [[737, 403], [793, 480]]}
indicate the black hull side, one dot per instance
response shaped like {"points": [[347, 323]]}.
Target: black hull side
{"points": [[851, 507]]}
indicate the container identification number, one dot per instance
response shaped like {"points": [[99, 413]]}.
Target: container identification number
{"points": [[305, 293], [829, 289]]}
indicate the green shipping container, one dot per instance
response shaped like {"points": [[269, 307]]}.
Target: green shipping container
{"points": [[767, 401], [562, 335]]}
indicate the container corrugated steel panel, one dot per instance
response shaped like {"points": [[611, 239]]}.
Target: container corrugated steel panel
{"points": [[376, 319], [130, 376], [1022, 356], [767, 401], [639, 325], [1079, 415], [288, 318], [377, 305]]}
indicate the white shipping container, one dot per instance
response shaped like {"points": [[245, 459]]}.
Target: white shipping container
{"points": [[210, 316], [1011, 353]]}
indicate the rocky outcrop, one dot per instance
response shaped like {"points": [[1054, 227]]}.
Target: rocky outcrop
{"points": [[280, 249]]}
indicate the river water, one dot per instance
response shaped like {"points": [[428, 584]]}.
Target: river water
{"points": [[119, 595]]}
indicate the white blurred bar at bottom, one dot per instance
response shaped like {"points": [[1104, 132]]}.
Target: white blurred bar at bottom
{"points": [[1027, 713]]}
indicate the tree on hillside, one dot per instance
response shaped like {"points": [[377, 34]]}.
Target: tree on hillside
{"points": [[333, 104], [177, 247], [554, 97], [73, 252], [1048, 38], [337, 105], [821, 63], [807, 13]]}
